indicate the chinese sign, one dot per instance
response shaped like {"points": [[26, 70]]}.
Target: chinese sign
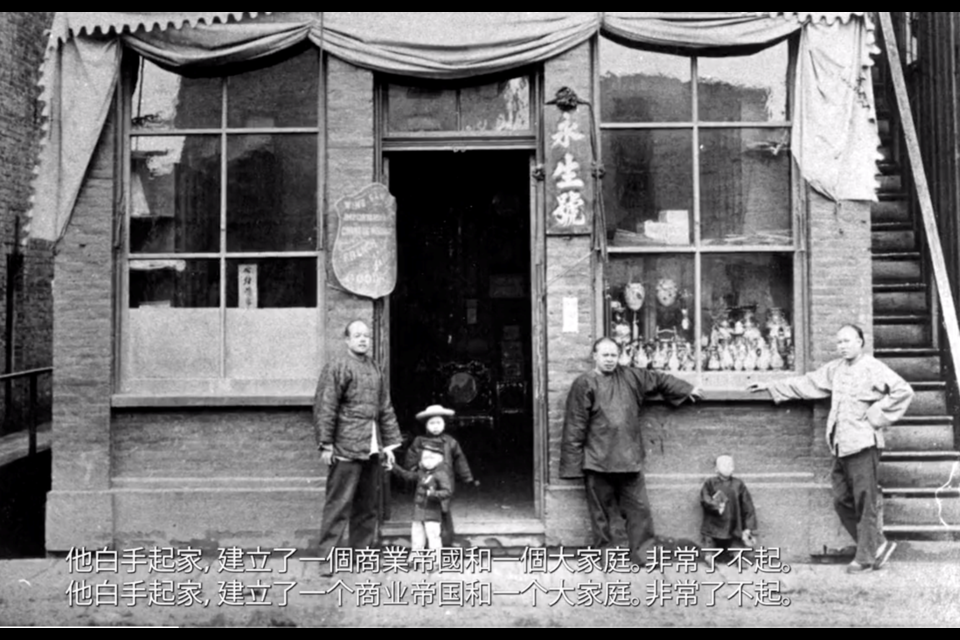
{"points": [[365, 250], [569, 210], [248, 286]]}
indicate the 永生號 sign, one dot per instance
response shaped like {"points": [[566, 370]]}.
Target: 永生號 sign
{"points": [[364, 256]]}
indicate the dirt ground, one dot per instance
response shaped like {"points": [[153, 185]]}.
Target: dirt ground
{"points": [[515, 593]]}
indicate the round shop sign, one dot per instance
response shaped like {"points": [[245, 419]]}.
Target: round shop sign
{"points": [[365, 251]]}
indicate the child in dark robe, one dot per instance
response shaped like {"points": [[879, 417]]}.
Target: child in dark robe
{"points": [[729, 517], [432, 500], [454, 459]]}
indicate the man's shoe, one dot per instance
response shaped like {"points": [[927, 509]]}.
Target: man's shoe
{"points": [[883, 554], [855, 568]]}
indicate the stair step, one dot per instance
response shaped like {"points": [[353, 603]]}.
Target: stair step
{"points": [[905, 319], [890, 240], [910, 298], [921, 456], [890, 183], [897, 267], [925, 421], [944, 511], [893, 208], [927, 438], [920, 475], [901, 335], [921, 493], [915, 533], [928, 352], [914, 369]]}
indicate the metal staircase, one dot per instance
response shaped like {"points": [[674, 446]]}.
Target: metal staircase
{"points": [[920, 471]]}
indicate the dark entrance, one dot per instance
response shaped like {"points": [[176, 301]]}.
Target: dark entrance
{"points": [[460, 320]]}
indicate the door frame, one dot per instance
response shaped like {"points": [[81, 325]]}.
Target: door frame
{"points": [[538, 352]]}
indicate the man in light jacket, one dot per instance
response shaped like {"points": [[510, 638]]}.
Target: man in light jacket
{"points": [[866, 396]]}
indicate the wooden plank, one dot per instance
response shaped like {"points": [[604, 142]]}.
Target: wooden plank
{"points": [[948, 305]]}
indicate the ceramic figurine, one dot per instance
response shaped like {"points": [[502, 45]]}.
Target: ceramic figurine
{"points": [[673, 364], [685, 323], [776, 360], [640, 360], [726, 358], [690, 359], [725, 331], [752, 356], [763, 361], [625, 358], [660, 359], [740, 359], [714, 364]]}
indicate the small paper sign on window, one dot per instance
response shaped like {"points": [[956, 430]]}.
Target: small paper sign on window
{"points": [[249, 292]]}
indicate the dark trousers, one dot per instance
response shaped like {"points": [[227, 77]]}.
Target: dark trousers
{"points": [[353, 496], [856, 497], [609, 494]]}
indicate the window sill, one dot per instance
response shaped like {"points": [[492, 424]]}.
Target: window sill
{"points": [[198, 402]]}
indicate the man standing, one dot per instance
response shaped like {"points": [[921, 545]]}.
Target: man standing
{"points": [[356, 426], [603, 443], [866, 396]]}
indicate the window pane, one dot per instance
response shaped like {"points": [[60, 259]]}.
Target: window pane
{"points": [[745, 187], [502, 106], [421, 109], [174, 284], [272, 193], [747, 89], [748, 312], [175, 195], [272, 284], [640, 86], [164, 100], [651, 311], [284, 95], [648, 189]]}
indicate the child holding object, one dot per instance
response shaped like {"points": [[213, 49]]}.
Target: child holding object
{"points": [[729, 518], [432, 500]]}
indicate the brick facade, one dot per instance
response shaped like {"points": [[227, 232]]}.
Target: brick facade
{"points": [[22, 41], [252, 477]]}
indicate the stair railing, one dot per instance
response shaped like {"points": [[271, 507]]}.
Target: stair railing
{"points": [[947, 305]]}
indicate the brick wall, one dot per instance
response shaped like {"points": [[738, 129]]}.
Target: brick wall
{"points": [[22, 41]]}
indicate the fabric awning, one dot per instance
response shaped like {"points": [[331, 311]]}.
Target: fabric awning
{"points": [[835, 131]]}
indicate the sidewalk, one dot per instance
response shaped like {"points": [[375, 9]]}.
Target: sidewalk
{"points": [[39, 592]]}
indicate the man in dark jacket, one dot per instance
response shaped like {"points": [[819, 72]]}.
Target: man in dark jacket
{"points": [[603, 443], [356, 426]]}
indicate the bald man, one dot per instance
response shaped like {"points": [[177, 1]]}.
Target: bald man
{"points": [[603, 443], [357, 432], [866, 396]]}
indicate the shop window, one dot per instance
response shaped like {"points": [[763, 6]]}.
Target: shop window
{"points": [[701, 210], [500, 107], [221, 270]]}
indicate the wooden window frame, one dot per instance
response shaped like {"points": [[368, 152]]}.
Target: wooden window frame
{"points": [[722, 385], [248, 392]]}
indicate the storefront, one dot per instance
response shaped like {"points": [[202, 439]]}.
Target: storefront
{"points": [[695, 185]]}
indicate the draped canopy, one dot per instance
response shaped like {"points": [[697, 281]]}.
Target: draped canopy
{"points": [[834, 135]]}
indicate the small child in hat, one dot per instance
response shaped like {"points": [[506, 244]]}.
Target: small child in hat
{"points": [[456, 462], [434, 492], [729, 517]]}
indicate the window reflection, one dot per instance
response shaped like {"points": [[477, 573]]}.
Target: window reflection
{"points": [[745, 89], [164, 100], [641, 86]]}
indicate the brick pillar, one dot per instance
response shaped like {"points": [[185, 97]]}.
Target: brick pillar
{"points": [[79, 509], [351, 158]]}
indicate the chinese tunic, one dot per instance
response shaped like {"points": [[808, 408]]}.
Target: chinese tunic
{"points": [[738, 513], [866, 396], [601, 431]]}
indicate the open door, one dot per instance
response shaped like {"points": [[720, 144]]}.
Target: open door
{"points": [[460, 324]]}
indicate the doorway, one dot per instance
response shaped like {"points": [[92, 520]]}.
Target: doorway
{"points": [[460, 328]]}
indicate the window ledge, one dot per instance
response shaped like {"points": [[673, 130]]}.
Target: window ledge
{"points": [[189, 402]]}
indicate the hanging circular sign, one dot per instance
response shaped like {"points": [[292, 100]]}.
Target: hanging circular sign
{"points": [[364, 253]]}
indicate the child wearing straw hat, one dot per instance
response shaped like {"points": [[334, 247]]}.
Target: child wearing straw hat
{"points": [[434, 418]]}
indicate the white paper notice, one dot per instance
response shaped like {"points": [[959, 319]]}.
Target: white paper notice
{"points": [[571, 315]]}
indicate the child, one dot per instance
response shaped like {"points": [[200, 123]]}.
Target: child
{"points": [[434, 490], [455, 462], [729, 518]]}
